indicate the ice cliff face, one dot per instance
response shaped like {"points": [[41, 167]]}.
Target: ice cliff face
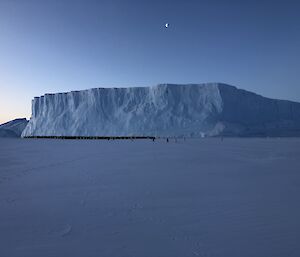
{"points": [[13, 128], [162, 110]]}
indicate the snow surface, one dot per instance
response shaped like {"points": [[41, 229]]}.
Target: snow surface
{"points": [[13, 128], [200, 197], [162, 110]]}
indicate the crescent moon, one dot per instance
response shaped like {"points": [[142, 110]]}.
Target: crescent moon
{"points": [[167, 25]]}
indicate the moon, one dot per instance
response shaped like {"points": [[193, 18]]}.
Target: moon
{"points": [[167, 25]]}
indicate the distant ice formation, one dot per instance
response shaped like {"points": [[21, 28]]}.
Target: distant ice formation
{"points": [[194, 110], [13, 128]]}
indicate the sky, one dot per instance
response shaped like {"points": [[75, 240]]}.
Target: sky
{"points": [[54, 46]]}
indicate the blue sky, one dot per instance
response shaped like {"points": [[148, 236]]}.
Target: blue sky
{"points": [[54, 46]]}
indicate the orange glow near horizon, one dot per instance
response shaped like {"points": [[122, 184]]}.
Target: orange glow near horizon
{"points": [[14, 105]]}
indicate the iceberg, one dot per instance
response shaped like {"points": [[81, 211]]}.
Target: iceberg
{"points": [[164, 110], [13, 128]]}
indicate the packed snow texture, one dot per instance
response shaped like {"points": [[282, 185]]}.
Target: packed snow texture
{"points": [[13, 128], [162, 110], [201, 197]]}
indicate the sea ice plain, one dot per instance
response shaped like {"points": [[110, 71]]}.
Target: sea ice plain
{"points": [[199, 197]]}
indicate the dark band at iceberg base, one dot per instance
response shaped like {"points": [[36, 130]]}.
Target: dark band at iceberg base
{"points": [[94, 137], [166, 110]]}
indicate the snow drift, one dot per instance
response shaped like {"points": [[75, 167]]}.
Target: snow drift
{"points": [[13, 128], [164, 110]]}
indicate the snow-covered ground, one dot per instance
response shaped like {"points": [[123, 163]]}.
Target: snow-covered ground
{"points": [[200, 197]]}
